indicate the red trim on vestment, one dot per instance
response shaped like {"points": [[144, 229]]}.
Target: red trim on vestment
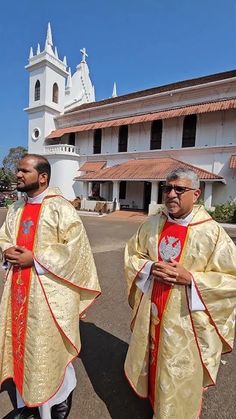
{"points": [[214, 324], [136, 276], [133, 387], [45, 401], [171, 241], [20, 288], [54, 318], [200, 222], [196, 339], [65, 280]]}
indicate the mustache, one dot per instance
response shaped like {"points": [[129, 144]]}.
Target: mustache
{"points": [[172, 201]]}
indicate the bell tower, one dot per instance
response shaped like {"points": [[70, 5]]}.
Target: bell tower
{"points": [[47, 80]]}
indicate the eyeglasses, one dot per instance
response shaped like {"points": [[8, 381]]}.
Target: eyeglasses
{"points": [[178, 189]]}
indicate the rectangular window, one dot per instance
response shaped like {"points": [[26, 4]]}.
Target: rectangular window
{"points": [[97, 141], [122, 194]]}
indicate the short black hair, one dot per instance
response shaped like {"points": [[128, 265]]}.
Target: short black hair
{"points": [[42, 165]]}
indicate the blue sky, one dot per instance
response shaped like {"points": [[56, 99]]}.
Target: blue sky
{"points": [[137, 43]]}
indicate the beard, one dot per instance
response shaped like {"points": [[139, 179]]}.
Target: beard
{"points": [[27, 188]]}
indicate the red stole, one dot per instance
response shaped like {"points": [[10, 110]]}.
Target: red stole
{"points": [[170, 245], [20, 291]]}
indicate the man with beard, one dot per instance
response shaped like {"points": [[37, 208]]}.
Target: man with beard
{"points": [[181, 272], [51, 280]]}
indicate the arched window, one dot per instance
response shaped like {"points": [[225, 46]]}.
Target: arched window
{"points": [[55, 93], [72, 138], [97, 141], [37, 90], [123, 138], [156, 135], [189, 131]]}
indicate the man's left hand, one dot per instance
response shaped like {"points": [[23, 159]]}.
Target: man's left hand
{"points": [[171, 272], [19, 256]]}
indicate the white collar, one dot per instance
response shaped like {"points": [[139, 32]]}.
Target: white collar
{"points": [[37, 199], [182, 221]]}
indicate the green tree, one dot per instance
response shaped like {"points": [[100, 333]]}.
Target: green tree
{"points": [[11, 160], [5, 179]]}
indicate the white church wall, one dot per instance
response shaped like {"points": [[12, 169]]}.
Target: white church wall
{"points": [[53, 77], [172, 133], [35, 75], [110, 140], [229, 127], [227, 192], [216, 128], [113, 144], [84, 141], [209, 132], [64, 169], [224, 193], [36, 122], [139, 137], [43, 122], [144, 136]]}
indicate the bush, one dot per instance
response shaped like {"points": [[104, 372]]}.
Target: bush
{"points": [[224, 213]]}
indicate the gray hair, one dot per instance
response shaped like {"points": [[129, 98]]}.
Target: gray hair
{"points": [[184, 173]]}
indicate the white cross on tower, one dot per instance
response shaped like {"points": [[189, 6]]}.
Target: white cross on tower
{"points": [[84, 54]]}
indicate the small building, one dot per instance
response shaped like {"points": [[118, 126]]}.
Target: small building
{"points": [[121, 149]]}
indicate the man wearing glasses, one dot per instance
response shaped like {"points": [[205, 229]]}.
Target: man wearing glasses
{"points": [[181, 272]]}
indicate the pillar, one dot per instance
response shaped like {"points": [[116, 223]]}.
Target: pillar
{"points": [[85, 190], [208, 195], [115, 195], [154, 192]]}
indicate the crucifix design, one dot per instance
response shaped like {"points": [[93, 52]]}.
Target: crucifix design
{"points": [[84, 54]]}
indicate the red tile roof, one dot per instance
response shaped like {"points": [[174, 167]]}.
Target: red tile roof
{"points": [[232, 163], [92, 166], [146, 170], [198, 81], [134, 119]]}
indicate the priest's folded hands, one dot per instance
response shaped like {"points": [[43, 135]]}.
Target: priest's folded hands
{"points": [[19, 256], [171, 273]]}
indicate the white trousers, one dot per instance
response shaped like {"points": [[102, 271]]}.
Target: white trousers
{"points": [[66, 388]]}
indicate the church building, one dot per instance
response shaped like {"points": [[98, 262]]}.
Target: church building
{"points": [[120, 149]]}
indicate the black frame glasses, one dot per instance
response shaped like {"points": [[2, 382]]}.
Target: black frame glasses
{"points": [[178, 189]]}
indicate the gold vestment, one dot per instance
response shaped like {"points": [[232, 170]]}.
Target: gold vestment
{"points": [[191, 343], [56, 298]]}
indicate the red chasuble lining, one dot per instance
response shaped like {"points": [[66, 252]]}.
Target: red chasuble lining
{"points": [[170, 245], [20, 291]]}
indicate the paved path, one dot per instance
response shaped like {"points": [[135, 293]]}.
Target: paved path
{"points": [[102, 391]]}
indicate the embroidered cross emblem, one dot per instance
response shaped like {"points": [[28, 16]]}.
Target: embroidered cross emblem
{"points": [[26, 226]]}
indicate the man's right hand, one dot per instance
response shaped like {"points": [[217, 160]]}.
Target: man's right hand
{"points": [[19, 256], [10, 252], [171, 273]]}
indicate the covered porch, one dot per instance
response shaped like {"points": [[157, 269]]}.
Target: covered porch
{"points": [[136, 184]]}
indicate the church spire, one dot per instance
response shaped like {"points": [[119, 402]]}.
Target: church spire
{"points": [[31, 54], [56, 52], [65, 61], [69, 81], [114, 92], [48, 41], [49, 35]]}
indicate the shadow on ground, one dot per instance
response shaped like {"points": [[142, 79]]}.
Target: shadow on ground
{"points": [[103, 359]]}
